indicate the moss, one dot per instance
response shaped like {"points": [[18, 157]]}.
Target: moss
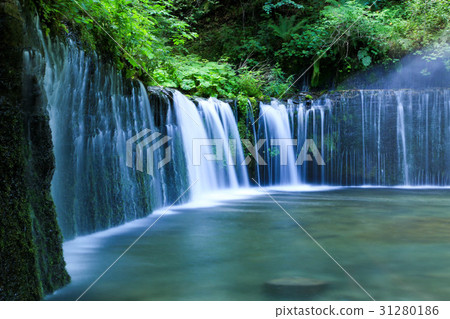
{"points": [[31, 262], [247, 110], [46, 233]]}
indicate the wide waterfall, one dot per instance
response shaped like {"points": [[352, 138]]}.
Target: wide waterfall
{"points": [[370, 137], [97, 117], [94, 111]]}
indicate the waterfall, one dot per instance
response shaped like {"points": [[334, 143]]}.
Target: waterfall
{"points": [[212, 121], [366, 137], [220, 124], [250, 122], [379, 137], [94, 111], [311, 122], [403, 161], [276, 128], [363, 124]]}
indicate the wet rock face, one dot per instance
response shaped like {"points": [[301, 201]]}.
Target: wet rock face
{"points": [[31, 262]]}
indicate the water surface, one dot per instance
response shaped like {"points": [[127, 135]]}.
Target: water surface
{"points": [[394, 242]]}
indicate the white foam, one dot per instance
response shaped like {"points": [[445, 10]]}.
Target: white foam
{"points": [[218, 198], [303, 188]]}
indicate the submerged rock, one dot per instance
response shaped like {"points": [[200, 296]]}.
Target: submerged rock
{"points": [[295, 286]]}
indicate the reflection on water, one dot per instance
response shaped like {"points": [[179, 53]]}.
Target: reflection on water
{"points": [[394, 242]]}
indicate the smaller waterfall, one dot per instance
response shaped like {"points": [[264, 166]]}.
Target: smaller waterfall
{"points": [[210, 130], [275, 127], [220, 124], [250, 122], [363, 124], [311, 125], [401, 137], [192, 129]]}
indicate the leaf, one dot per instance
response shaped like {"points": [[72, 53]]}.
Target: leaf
{"points": [[362, 54], [366, 61], [187, 84]]}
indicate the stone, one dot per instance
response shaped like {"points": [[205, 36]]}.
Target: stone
{"points": [[295, 286]]}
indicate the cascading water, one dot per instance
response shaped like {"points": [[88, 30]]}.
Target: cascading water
{"points": [[308, 127], [379, 137], [276, 128], [213, 120], [401, 138], [220, 124], [94, 111], [368, 137], [92, 114]]}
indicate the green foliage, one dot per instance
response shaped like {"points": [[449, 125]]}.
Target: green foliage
{"points": [[136, 34], [273, 152], [347, 35], [200, 77], [269, 6], [278, 84], [254, 48], [286, 27], [196, 76], [147, 41], [364, 57]]}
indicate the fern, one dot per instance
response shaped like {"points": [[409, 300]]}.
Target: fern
{"points": [[286, 27]]}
